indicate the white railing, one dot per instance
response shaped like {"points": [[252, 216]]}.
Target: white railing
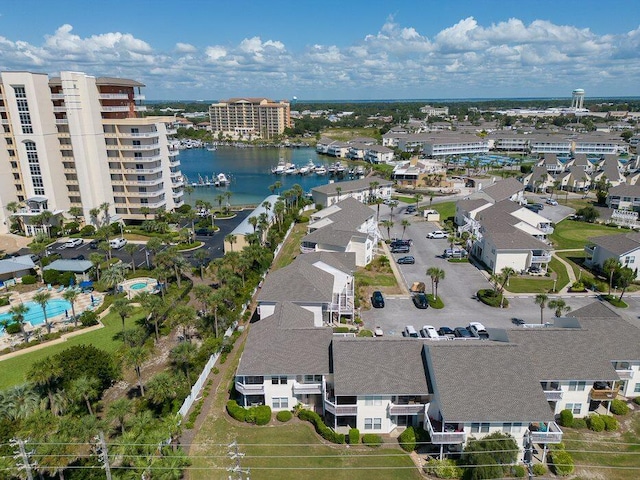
{"points": [[540, 258], [553, 435], [625, 374], [340, 410], [61, 121], [307, 388], [440, 438], [408, 409], [250, 389], [553, 395]]}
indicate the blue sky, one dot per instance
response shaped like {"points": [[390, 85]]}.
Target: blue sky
{"points": [[355, 49]]}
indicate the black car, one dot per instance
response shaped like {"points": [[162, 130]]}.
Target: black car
{"points": [[401, 249], [420, 300], [377, 300], [408, 260], [410, 209], [446, 332], [401, 241], [93, 244], [78, 257], [461, 332], [204, 231]]}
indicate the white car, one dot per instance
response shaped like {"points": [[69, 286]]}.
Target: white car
{"points": [[551, 201], [117, 243], [378, 332], [477, 330], [429, 332], [437, 234], [73, 243]]}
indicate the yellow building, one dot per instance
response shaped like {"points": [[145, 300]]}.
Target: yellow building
{"points": [[249, 117]]}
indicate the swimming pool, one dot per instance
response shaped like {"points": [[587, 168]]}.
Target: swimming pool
{"points": [[138, 286], [34, 315]]}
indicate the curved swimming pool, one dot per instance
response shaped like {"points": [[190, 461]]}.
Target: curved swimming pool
{"points": [[138, 286], [34, 315]]}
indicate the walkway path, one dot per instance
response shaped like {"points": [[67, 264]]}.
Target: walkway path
{"points": [[567, 265]]}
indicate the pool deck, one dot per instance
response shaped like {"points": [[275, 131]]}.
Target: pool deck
{"points": [[82, 303], [150, 286]]}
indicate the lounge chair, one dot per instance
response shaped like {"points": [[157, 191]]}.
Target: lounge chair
{"points": [[49, 287], [60, 289], [40, 289]]}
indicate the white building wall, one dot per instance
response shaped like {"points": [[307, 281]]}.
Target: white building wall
{"points": [[517, 261], [632, 386], [574, 397], [279, 391], [378, 408], [363, 251]]}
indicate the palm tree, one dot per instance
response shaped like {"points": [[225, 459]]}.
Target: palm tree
{"points": [[372, 189], [183, 356], [155, 306], [278, 185], [560, 306], [418, 198], [610, 267], [219, 198], [506, 273], [201, 256], [71, 295], [338, 191], [227, 195], [377, 201], [85, 388], [105, 212], [46, 374], [253, 221], [184, 316], [231, 239], [135, 357], [114, 275], [123, 309], [405, 223], [42, 298], [145, 211], [541, 300], [625, 277], [388, 224], [120, 410], [76, 213], [436, 274], [19, 402], [131, 249], [94, 213]]}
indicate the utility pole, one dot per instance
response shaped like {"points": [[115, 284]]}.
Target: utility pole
{"points": [[528, 455], [236, 470], [103, 454], [22, 454]]}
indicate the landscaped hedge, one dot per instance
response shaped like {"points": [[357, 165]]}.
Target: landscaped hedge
{"points": [[579, 423], [636, 400], [372, 440], [618, 407], [29, 279], [610, 423], [492, 298], [260, 415], [566, 418], [539, 469], [437, 303], [354, 436], [443, 468], [561, 462], [322, 430], [407, 440], [284, 416], [595, 423], [4, 301], [518, 471]]}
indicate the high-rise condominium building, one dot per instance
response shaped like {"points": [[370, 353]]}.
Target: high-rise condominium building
{"points": [[80, 141], [238, 117]]}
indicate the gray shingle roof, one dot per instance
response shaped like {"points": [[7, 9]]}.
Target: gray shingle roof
{"points": [[351, 212], [330, 235], [618, 244], [345, 262], [375, 366], [471, 204], [351, 186], [486, 382], [16, 264], [503, 189], [297, 282], [281, 345], [624, 190], [76, 266]]}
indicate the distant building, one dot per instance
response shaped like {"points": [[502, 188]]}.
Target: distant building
{"points": [[434, 111], [249, 116]]}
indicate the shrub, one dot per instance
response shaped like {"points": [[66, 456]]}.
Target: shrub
{"points": [[539, 469], [610, 423], [12, 328], [518, 471], [50, 276], [341, 330], [322, 430], [365, 333], [88, 318], [372, 440], [236, 411], [4, 301], [86, 360], [87, 231], [215, 370], [595, 423], [579, 423], [577, 287], [489, 297], [566, 418], [407, 440], [29, 279], [303, 219], [443, 468], [354, 436], [619, 407], [284, 416], [636, 400], [262, 414], [561, 462]]}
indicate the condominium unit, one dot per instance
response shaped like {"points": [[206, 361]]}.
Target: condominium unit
{"points": [[249, 117], [80, 141]]}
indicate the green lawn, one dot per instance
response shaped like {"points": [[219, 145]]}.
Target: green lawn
{"points": [[445, 209], [528, 284], [291, 247], [606, 449], [404, 198], [345, 133], [15, 369], [573, 234], [367, 279]]}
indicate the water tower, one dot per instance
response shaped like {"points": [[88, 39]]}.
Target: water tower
{"points": [[577, 99]]}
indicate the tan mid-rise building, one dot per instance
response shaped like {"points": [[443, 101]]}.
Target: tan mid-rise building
{"points": [[249, 117], [81, 141]]}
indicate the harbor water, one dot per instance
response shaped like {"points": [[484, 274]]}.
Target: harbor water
{"points": [[249, 170]]}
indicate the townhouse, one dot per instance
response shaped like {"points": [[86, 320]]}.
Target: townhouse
{"points": [[346, 226], [363, 190], [623, 247], [624, 197]]}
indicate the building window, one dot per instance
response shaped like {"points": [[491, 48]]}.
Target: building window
{"points": [[23, 109], [280, 402], [479, 427], [373, 423], [371, 401], [312, 378], [278, 380], [506, 428], [574, 407], [629, 259], [636, 389], [577, 386]]}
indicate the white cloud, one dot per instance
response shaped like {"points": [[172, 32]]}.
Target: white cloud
{"points": [[464, 59]]}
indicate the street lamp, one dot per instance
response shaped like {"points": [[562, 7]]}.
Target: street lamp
{"points": [[555, 280]]}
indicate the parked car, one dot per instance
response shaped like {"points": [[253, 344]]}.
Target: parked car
{"points": [[408, 260], [34, 258], [551, 201], [437, 234], [117, 243], [410, 209], [73, 243], [78, 257], [454, 253], [401, 249], [93, 244], [401, 241], [446, 332], [420, 300], [204, 231], [461, 332], [429, 331], [378, 332], [377, 300], [410, 331], [477, 330]]}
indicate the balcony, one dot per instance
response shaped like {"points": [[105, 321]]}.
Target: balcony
{"points": [[540, 257], [604, 394], [589, 250], [174, 153], [625, 374], [140, 205], [62, 121], [250, 389], [57, 96], [157, 193], [307, 388], [59, 109], [141, 171], [174, 163], [408, 409], [122, 108], [553, 395], [546, 228], [448, 437], [172, 131], [5, 121], [552, 435], [137, 135], [113, 96], [340, 410]]}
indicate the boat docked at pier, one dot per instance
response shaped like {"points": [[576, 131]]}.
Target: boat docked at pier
{"points": [[320, 170]]}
